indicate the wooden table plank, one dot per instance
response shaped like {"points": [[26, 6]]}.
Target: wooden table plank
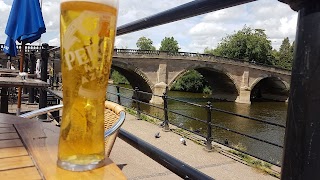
{"points": [[5, 125], [10, 143], [15, 162], [7, 130], [30, 173], [13, 152], [18, 82], [42, 138], [9, 136]]}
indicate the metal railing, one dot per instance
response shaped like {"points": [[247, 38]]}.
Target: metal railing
{"points": [[164, 114]]}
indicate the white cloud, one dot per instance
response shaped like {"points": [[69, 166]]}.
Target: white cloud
{"points": [[207, 29], [51, 14], [54, 42]]}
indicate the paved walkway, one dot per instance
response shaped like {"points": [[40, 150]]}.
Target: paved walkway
{"points": [[136, 165]]}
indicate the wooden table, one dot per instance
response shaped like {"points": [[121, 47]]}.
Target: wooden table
{"points": [[18, 82], [28, 150], [6, 82]]}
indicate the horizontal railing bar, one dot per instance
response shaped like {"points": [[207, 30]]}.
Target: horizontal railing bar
{"points": [[158, 107], [178, 167], [197, 119], [53, 93], [248, 117], [246, 135], [187, 130], [184, 11], [120, 87], [183, 101], [143, 92], [125, 97], [153, 116]]}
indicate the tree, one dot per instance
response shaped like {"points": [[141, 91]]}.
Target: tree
{"points": [[249, 44], [285, 54], [192, 81], [207, 50], [118, 78], [169, 44], [144, 43]]}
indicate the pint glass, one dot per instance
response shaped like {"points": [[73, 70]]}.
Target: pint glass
{"points": [[87, 32]]}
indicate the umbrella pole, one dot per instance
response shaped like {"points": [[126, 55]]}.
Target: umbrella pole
{"points": [[21, 70]]}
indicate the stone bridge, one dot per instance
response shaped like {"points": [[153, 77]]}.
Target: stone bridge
{"points": [[230, 79]]}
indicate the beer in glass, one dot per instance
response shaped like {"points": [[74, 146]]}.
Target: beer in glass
{"points": [[87, 32]]}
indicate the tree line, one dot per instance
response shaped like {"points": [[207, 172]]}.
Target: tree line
{"points": [[249, 44]]}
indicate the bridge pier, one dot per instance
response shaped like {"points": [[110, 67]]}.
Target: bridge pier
{"points": [[245, 91], [244, 96], [158, 90]]}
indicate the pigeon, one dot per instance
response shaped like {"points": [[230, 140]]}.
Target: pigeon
{"points": [[198, 130], [226, 142], [183, 141], [157, 135], [162, 124]]}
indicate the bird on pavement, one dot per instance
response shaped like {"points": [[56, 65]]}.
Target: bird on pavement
{"points": [[157, 135], [198, 130], [183, 141], [226, 142], [162, 124]]}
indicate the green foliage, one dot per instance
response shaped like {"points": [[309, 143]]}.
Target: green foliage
{"points": [[169, 44], [284, 57], [144, 43], [192, 81], [208, 51], [249, 44], [118, 78]]}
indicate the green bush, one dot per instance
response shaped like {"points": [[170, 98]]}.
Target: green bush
{"points": [[192, 81]]}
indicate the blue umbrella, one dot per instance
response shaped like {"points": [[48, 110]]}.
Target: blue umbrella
{"points": [[25, 24], [10, 47]]}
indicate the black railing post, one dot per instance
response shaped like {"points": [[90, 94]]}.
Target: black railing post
{"points": [[118, 95], [136, 97], [165, 109], [32, 69], [44, 77], [209, 128], [4, 100]]}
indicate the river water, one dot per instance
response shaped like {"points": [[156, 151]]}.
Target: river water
{"points": [[269, 111]]}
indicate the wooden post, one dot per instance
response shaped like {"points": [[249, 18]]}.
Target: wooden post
{"points": [[44, 77]]}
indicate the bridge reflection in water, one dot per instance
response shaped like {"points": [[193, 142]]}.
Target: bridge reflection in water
{"points": [[274, 112]]}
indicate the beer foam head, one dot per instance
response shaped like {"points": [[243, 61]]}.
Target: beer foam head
{"points": [[113, 3]]}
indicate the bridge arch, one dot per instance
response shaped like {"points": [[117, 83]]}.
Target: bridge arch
{"points": [[135, 77], [269, 87], [222, 83]]}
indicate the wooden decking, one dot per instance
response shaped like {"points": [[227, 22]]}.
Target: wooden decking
{"points": [[15, 162]]}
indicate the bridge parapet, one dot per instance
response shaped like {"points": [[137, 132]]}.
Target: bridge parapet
{"points": [[150, 54]]}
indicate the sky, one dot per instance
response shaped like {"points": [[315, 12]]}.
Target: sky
{"points": [[193, 34]]}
